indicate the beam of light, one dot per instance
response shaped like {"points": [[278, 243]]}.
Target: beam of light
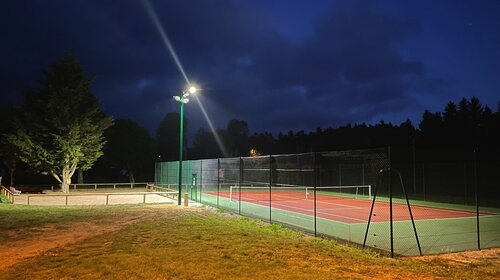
{"points": [[154, 17], [214, 131]]}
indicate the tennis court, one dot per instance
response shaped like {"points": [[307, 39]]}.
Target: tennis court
{"points": [[441, 228], [336, 207], [446, 218]]}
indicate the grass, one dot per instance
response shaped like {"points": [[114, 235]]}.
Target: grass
{"points": [[4, 199], [169, 242]]}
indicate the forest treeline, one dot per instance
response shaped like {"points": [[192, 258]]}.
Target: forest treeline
{"points": [[465, 125], [130, 151]]}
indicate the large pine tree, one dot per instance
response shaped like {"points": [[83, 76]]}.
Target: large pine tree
{"points": [[60, 125]]}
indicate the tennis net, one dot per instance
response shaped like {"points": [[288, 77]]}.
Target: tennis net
{"points": [[293, 192]]}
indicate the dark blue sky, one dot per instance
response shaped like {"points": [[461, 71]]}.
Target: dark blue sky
{"points": [[280, 65]]}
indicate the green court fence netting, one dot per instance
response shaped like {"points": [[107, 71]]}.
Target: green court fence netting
{"points": [[400, 201]]}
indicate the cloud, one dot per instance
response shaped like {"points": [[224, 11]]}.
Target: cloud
{"points": [[348, 71]]}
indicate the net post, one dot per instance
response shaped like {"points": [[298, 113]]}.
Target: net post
{"points": [[409, 209], [476, 200]]}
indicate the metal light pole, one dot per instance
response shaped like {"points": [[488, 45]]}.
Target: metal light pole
{"points": [[182, 100]]}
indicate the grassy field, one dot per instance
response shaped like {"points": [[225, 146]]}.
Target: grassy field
{"points": [[169, 242]]}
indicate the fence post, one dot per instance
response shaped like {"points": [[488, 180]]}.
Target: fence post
{"points": [[363, 173], [201, 179], [315, 174], [340, 176], [270, 187], [423, 179], [477, 202], [390, 204], [413, 163], [218, 181], [239, 186]]}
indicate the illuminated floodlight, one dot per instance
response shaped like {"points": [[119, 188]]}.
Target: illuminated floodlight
{"points": [[182, 99]]}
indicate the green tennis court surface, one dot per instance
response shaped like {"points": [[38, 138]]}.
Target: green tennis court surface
{"points": [[440, 227]]}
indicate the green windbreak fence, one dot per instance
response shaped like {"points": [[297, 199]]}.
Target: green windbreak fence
{"points": [[425, 203]]}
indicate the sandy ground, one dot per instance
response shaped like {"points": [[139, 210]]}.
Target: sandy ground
{"points": [[92, 197], [467, 257]]}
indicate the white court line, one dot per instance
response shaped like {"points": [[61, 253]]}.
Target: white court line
{"points": [[434, 208], [329, 214], [346, 208]]}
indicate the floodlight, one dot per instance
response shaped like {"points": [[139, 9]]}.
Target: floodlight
{"points": [[177, 98], [192, 90]]}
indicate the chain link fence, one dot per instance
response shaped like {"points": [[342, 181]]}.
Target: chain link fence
{"points": [[403, 202]]}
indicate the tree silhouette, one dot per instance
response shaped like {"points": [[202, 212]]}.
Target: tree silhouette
{"points": [[167, 137], [236, 138], [129, 147]]}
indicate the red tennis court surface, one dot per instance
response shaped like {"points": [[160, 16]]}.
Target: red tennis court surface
{"points": [[343, 209]]}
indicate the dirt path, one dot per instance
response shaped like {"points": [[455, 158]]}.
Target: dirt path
{"points": [[54, 236], [467, 257], [59, 235]]}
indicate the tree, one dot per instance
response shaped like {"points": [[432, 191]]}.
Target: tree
{"points": [[60, 127], [264, 143], [129, 147], [431, 127], [237, 137], [7, 150], [167, 137], [205, 145]]}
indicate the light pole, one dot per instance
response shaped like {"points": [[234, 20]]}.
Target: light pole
{"points": [[182, 100]]}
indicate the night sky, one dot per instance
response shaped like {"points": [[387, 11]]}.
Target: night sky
{"points": [[279, 65]]}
